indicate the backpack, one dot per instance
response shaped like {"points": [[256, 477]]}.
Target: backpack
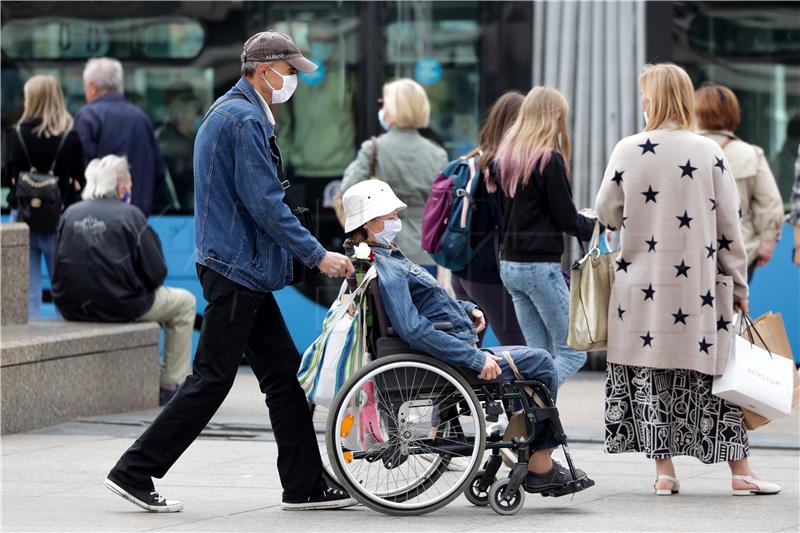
{"points": [[38, 195], [447, 217]]}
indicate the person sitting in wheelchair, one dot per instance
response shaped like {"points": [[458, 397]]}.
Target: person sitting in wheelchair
{"points": [[414, 302]]}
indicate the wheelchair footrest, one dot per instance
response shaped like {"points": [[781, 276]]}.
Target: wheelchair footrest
{"points": [[570, 488]]}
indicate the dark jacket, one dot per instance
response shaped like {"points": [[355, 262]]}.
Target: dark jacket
{"points": [[112, 125], [243, 229], [42, 150], [108, 262], [534, 221]]}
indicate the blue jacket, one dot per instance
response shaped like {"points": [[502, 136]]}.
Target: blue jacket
{"points": [[242, 228], [112, 125], [414, 301]]}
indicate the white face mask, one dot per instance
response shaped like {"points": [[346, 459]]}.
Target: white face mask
{"points": [[283, 94], [391, 228], [645, 117]]}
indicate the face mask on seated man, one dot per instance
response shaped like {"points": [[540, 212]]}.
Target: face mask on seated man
{"points": [[414, 301]]}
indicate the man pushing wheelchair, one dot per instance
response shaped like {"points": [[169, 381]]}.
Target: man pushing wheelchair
{"points": [[403, 392]]}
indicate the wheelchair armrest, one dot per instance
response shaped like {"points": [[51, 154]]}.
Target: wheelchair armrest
{"points": [[441, 326]]}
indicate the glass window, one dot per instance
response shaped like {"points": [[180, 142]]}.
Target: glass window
{"points": [[436, 43], [756, 52], [126, 38]]}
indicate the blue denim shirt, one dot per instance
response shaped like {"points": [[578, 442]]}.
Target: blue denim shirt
{"points": [[414, 301], [112, 125], [243, 229]]}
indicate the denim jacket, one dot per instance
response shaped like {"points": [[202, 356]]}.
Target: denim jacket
{"points": [[243, 229], [414, 301]]}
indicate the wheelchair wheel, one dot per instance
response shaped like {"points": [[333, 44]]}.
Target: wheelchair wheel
{"points": [[505, 504], [474, 493], [414, 415]]}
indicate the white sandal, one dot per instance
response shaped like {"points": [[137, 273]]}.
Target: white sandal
{"points": [[762, 487], [676, 486]]}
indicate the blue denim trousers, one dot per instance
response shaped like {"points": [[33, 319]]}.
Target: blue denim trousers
{"points": [[541, 300], [537, 365], [41, 245]]}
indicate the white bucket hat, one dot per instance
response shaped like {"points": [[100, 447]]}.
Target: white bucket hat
{"points": [[367, 200]]}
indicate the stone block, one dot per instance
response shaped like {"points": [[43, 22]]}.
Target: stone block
{"points": [[54, 371], [14, 257], [57, 390]]}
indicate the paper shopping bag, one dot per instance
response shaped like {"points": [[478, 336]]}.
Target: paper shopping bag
{"points": [[770, 326], [756, 379]]}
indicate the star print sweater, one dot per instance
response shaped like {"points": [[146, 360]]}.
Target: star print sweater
{"points": [[681, 261]]}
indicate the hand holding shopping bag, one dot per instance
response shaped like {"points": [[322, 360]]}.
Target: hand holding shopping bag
{"points": [[756, 379]]}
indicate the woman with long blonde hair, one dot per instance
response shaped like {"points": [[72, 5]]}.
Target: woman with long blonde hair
{"points": [[536, 209], [680, 272], [43, 141]]}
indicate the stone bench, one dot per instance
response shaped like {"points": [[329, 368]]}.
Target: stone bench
{"points": [[54, 371]]}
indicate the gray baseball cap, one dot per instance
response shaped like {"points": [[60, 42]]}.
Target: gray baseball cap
{"points": [[275, 46]]}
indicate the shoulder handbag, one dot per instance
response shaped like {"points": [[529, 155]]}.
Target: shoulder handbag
{"points": [[39, 199], [589, 294], [373, 173]]}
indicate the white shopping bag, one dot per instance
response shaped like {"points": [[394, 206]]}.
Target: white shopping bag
{"points": [[756, 380]]}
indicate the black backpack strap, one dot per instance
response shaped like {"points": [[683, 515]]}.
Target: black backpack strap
{"points": [[58, 151], [22, 143]]}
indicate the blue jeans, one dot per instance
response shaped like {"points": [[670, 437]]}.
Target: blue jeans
{"points": [[538, 365], [541, 300], [41, 244]]}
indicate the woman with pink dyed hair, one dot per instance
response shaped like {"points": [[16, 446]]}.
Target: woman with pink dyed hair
{"points": [[536, 209]]}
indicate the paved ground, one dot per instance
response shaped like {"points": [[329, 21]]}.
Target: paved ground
{"points": [[52, 481]]}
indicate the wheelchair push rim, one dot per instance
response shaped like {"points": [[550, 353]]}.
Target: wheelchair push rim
{"points": [[429, 416]]}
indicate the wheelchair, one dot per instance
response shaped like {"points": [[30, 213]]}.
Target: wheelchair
{"points": [[406, 434]]}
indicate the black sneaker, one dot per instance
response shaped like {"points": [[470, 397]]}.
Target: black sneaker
{"points": [[327, 499], [150, 500], [557, 478]]}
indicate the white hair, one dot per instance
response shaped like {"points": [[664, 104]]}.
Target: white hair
{"points": [[103, 176], [105, 72]]}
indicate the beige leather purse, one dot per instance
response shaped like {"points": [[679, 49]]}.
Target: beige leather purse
{"points": [[589, 294]]}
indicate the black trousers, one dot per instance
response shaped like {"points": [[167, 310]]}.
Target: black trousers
{"points": [[236, 321]]}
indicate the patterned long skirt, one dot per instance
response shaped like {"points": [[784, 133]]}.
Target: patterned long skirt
{"points": [[665, 413]]}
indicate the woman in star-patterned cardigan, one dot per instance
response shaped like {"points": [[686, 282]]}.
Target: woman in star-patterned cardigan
{"points": [[680, 272]]}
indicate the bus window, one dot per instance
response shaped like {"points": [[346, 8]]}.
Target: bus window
{"points": [[436, 43], [754, 51], [126, 38]]}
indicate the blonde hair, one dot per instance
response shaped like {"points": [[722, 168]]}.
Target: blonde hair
{"points": [[539, 130], [103, 175], [671, 94], [45, 100], [716, 108], [407, 104]]}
